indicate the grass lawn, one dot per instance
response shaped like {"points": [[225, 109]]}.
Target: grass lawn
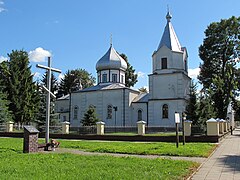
{"points": [[16, 165], [154, 148]]}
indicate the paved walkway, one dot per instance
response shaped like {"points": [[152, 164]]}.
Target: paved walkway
{"points": [[76, 151], [224, 164]]}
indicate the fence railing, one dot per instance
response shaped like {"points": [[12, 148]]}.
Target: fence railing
{"points": [[2, 127]]}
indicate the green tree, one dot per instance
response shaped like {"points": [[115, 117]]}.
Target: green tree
{"points": [[143, 90], [20, 87], [54, 82], [219, 52], [90, 117], [191, 109], [76, 79], [236, 108], [205, 109], [5, 114], [41, 118], [130, 76]]}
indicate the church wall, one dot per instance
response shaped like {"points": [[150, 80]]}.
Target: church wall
{"points": [[75, 102], [62, 107], [168, 86], [115, 99], [175, 60], [155, 112], [163, 52], [135, 108], [129, 96]]}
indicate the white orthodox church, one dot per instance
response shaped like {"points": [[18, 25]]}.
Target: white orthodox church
{"points": [[119, 105]]}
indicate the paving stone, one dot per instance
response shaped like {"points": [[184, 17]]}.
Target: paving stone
{"points": [[224, 164]]}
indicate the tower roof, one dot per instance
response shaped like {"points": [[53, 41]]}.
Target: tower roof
{"points": [[169, 37], [111, 60]]}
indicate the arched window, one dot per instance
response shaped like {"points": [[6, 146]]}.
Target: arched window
{"points": [[139, 115], [75, 112], [165, 111], [109, 112]]}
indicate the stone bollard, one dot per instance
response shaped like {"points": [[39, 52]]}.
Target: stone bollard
{"points": [[100, 128], [212, 127], [225, 129], [65, 127], [141, 127], [221, 126], [188, 128], [9, 126]]}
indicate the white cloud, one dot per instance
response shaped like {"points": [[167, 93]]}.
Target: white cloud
{"points": [[1, 6], [60, 76], [37, 75], [141, 74], [38, 55], [193, 73], [3, 59]]}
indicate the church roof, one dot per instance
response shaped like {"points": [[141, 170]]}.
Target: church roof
{"points": [[66, 97], [169, 37], [141, 98], [103, 87], [111, 60]]}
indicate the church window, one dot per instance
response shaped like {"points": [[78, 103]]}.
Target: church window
{"points": [[139, 115], [109, 112], [122, 79], [99, 78], [104, 78], [164, 63], [114, 77], [75, 112], [165, 111], [64, 118]]}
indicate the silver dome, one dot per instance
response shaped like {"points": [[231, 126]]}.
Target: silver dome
{"points": [[111, 60]]}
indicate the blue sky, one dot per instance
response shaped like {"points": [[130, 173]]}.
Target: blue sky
{"points": [[77, 33]]}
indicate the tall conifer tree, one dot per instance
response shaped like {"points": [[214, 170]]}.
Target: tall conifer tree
{"points": [[20, 87], [220, 52]]}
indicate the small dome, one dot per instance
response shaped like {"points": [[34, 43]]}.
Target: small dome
{"points": [[111, 60]]}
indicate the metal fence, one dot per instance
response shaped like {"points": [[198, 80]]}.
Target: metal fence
{"points": [[57, 129], [2, 127], [120, 129], [199, 130], [52, 129]]}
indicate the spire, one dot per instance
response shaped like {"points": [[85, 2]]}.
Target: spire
{"points": [[111, 40], [168, 16], [169, 37]]}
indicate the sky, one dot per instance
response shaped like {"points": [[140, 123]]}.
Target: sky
{"points": [[76, 33]]}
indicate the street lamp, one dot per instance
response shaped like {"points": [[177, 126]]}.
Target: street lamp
{"points": [[115, 109]]}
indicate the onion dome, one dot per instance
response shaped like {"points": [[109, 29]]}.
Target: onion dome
{"points": [[111, 60]]}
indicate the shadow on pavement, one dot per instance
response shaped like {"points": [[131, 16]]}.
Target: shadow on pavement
{"points": [[231, 161]]}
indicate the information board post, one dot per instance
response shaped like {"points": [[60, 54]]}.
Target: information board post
{"points": [[177, 121]]}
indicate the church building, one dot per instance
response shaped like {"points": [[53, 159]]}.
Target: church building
{"points": [[118, 105]]}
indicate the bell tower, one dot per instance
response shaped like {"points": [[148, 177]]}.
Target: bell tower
{"points": [[169, 81]]}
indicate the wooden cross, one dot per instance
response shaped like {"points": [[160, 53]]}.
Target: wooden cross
{"points": [[49, 93]]}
